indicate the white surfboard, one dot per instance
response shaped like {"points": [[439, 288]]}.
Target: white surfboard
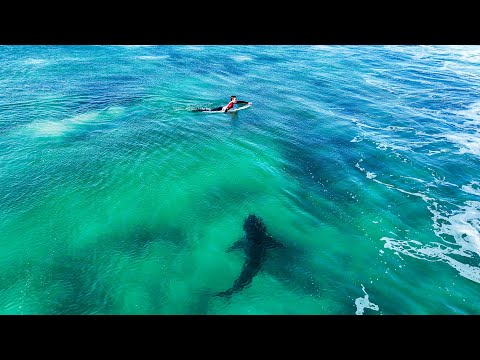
{"points": [[229, 111]]}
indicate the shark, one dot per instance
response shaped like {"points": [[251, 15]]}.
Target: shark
{"points": [[255, 244]]}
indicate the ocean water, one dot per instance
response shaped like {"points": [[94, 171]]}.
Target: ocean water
{"points": [[116, 198]]}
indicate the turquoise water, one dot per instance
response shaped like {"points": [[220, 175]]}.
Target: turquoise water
{"points": [[115, 198]]}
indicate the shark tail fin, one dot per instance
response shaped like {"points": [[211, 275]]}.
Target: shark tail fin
{"points": [[226, 293]]}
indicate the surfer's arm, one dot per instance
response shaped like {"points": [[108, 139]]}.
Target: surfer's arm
{"points": [[243, 102]]}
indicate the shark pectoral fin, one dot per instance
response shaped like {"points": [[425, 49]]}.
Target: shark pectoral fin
{"points": [[272, 243], [237, 245]]}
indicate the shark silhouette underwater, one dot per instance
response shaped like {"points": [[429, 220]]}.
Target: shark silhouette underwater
{"points": [[255, 244]]}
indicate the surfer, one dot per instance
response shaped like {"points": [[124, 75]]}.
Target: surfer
{"points": [[232, 104]]}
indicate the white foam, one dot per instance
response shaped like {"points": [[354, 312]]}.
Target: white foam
{"points": [[468, 53], [152, 57], [194, 47], [471, 189], [413, 178], [82, 118], [385, 146], [241, 58], [363, 125], [61, 127], [415, 249], [321, 47], [372, 176], [398, 48], [467, 132], [467, 271], [115, 110], [379, 83], [408, 247], [49, 128], [463, 64], [133, 46], [74, 59], [472, 112], [364, 303], [433, 152], [422, 51], [357, 165], [35, 61], [418, 194], [467, 143], [463, 226]]}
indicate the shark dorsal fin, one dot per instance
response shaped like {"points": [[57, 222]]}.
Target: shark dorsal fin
{"points": [[272, 243], [237, 245]]}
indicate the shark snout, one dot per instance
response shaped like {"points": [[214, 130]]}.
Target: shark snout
{"points": [[253, 223]]}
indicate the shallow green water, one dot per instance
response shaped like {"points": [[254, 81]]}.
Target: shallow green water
{"points": [[115, 198]]}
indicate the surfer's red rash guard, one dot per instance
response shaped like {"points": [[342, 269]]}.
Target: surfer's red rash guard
{"points": [[229, 106], [231, 103]]}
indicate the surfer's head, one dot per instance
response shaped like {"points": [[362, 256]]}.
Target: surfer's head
{"points": [[233, 98]]}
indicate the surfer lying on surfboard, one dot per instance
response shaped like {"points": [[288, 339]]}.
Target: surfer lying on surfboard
{"points": [[231, 105]]}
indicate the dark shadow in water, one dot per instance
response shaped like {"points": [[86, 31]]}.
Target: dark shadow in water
{"points": [[83, 290], [76, 289], [201, 302], [15, 273], [135, 240], [81, 276], [317, 175], [292, 265]]}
